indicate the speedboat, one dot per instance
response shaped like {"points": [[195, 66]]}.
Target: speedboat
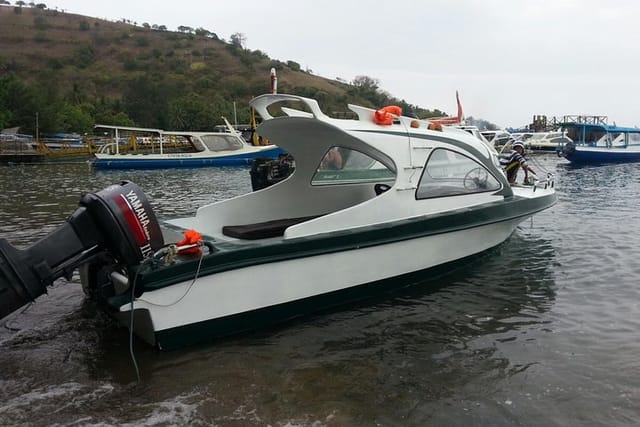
{"points": [[601, 143], [371, 202], [545, 141], [133, 147], [497, 138]]}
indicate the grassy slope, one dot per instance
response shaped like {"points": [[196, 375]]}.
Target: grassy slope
{"points": [[37, 40]]}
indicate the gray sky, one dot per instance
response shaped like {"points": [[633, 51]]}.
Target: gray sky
{"points": [[510, 59]]}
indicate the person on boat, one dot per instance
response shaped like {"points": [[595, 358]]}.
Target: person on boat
{"points": [[515, 162], [332, 159]]}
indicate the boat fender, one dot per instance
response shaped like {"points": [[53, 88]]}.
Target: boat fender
{"points": [[435, 126], [384, 116]]}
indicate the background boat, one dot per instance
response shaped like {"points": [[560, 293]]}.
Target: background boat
{"points": [[17, 148], [543, 141], [601, 143], [133, 147]]}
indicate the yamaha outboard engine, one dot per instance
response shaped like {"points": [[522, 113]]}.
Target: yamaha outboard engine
{"points": [[117, 221]]}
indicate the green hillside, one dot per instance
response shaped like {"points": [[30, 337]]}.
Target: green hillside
{"points": [[74, 71]]}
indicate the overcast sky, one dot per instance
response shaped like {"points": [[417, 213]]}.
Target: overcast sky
{"points": [[510, 59]]}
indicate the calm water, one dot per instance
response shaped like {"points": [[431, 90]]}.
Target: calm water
{"points": [[543, 330]]}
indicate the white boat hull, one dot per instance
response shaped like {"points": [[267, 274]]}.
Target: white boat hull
{"points": [[241, 291]]}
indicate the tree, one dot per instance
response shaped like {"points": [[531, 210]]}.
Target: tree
{"points": [[17, 104], [84, 56], [40, 23], [238, 40], [76, 118], [147, 98], [193, 112], [203, 32], [293, 65], [366, 82], [367, 88]]}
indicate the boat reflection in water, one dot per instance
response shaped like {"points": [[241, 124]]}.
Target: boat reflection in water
{"points": [[450, 326]]}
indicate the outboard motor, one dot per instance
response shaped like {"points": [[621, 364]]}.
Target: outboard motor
{"points": [[266, 171], [117, 221]]}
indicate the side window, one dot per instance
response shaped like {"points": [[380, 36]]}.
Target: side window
{"points": [[634, 138], [448, 173], [342, 166], [221, 142]]}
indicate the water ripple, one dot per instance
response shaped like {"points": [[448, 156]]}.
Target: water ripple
{"points": [[541, 330]]}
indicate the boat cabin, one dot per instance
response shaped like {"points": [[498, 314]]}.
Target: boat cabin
{"points": [[600, 135], [356, 173]]}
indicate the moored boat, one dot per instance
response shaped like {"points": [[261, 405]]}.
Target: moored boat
{"points": [[17, 148], [367, 205], [497, 138], [552, 141], [133, 147], [601, 143]]}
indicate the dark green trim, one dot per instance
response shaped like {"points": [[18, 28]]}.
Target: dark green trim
{"points": [[261, 319], [231, 256]]}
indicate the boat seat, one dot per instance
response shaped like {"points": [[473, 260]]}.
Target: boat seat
{"points": [[263, 230]]}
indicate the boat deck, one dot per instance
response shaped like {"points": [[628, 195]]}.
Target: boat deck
{"points": [[263, 230]]}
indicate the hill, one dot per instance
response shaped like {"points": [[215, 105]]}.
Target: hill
{"points": [[74, 71]]}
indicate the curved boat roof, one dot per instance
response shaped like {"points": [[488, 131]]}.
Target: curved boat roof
{"points": [[365, 129]]}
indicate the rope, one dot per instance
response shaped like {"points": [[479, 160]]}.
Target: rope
{"points": [[15, 314], [133, 357], [133, 288], [185, 293], [539, 165]]}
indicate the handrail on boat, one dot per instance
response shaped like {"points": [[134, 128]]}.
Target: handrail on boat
{"points": [[106, 148], [262, 102], [546, 182]]}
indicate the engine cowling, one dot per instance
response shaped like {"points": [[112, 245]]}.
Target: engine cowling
{"points": [[117, 222]]}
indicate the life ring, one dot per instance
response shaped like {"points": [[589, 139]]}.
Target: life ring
{"points": [[384, 116]]}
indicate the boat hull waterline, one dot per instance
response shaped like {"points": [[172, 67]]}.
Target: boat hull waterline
{"points": [[181, 160], [602, 155]]}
